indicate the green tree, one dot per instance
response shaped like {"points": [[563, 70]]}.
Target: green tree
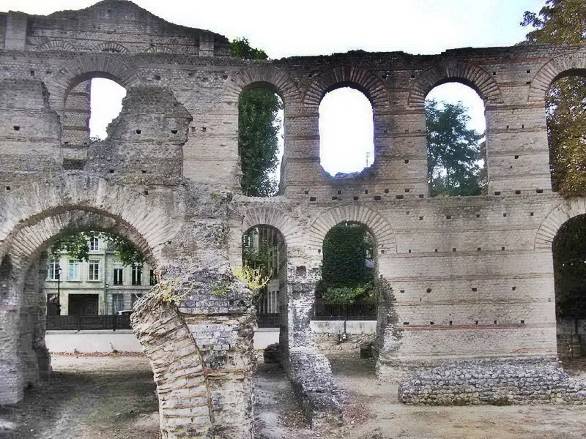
{"points": [[76, 245], [564, 22], [258, 130], [453, 150], [347, 270]]}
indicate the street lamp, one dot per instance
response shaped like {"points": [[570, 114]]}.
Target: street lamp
{"points": [[58, 276]]}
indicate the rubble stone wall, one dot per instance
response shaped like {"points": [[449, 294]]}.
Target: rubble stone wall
{"points": [[472, 277]]}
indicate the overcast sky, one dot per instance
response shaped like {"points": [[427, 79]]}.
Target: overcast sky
{"points": [[304, 27]]}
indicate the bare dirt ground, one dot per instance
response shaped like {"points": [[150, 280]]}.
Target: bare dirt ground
{"points": [[114, 397]]}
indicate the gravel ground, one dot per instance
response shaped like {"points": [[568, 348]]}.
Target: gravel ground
{"points": [[113, 397]]}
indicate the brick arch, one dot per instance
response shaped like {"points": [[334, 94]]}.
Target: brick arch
{"points": [[347, 76], [111, 47], [556, 218], [55, 45], [380, 228], [33, 214], [265, 75], [87, 66], [276, 218], [28, 241], [552, 70], [468, 74]]}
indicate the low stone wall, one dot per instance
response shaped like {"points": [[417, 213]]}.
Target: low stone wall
{"points": [[311, 378], [497, 382]]}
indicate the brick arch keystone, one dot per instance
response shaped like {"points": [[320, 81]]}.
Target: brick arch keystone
{"points": [[469, 74], [348, 76], [556, 218], [267, 75], [551, 70], [380, 228]]}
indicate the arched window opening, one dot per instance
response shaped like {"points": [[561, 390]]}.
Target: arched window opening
{"points": [[77, 297], [346, 290], [263, 250], [455, 122], [569, 256], [566, 131], [260, 140], [346, 131], [89, 108]]}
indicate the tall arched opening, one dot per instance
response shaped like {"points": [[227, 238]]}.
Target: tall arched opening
{"points": [[346, 131], [75, 300], [456, 151], [569, 257], [260, 139]]}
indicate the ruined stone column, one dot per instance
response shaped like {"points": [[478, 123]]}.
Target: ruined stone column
{"points": [[309, 370], [184, 399], [197, 331]]}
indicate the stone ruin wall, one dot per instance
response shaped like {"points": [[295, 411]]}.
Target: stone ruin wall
{"points": [[472, 277]]}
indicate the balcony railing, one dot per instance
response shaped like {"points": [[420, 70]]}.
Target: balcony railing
{"points": [[355, 311]]}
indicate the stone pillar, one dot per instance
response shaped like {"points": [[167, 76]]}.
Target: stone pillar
{"points": [[16, 26], [517, 149], [11, 373], [309, 370]]}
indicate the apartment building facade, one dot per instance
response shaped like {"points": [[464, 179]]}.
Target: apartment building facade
{"points": [[101, 285]]}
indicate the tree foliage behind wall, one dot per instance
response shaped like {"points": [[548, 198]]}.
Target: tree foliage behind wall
{"points": [[258, 130], [347, 270], [76, 246], [453, 151], [564, 22], [569, 249]]}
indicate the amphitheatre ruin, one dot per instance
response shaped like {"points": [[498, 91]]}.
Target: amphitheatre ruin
{"points": [[470, 316]]}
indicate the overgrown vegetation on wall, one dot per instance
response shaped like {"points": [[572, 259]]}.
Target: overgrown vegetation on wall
{"points": [[564, 22], [453, 151], [258, 130]]}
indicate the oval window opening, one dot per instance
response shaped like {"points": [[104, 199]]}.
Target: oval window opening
{"points": [[346, 132]]}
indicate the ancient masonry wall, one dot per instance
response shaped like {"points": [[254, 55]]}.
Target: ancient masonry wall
{"points": [[472, 278]]}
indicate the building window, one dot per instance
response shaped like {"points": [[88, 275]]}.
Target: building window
{"points": [[135, 297], [117, 302], [94, 244], [118, 275], [136, 274], [94, 269], [152, 278], [269, 302], [53, 270], [73, 270]]}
